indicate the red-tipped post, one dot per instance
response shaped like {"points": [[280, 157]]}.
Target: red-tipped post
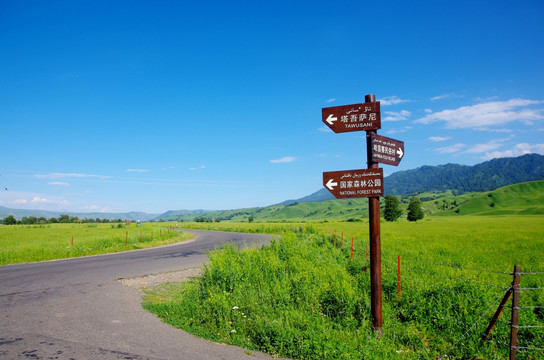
{"points": [[399, 274]]}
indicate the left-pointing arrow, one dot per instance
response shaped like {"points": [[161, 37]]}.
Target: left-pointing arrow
{"points": [[331, 184], [331, 119]]}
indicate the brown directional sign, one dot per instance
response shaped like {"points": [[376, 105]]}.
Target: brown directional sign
{"points": [[356, 117], [386, 150], [354, 183]]}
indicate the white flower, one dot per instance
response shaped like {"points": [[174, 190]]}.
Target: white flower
{"points": [[235, 308], [233, 331]]}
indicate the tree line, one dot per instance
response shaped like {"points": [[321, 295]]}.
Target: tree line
{"points": [[63, 219]]}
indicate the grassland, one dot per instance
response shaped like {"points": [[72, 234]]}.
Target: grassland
{"points": [[31, 243], [304, 297]]}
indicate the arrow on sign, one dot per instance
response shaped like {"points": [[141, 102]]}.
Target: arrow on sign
{"points": [[331, 119], [400, 153], [330, 184]]}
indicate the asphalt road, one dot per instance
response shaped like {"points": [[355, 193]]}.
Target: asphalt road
{"points": [[76, 308]]}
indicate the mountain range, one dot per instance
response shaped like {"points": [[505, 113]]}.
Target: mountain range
{"points": [[458, 179]]}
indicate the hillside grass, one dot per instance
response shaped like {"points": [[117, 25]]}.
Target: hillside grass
{"points": [[523, 199], [519, 199], [31, 243], [304, 297]]}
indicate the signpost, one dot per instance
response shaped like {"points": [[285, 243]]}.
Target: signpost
{"points": [[356, 117], [365, 182], [386, 150], [354, 183]]}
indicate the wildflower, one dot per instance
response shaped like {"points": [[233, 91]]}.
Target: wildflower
{"points": [[235, 308], [233, 331]]}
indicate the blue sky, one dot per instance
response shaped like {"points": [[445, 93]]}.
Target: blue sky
{"points": [[158, 105]]}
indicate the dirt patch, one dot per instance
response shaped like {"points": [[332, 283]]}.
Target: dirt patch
{"points": [[152, 280]]}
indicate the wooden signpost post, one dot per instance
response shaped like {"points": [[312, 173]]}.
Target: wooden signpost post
{"points": [[365, 182]]}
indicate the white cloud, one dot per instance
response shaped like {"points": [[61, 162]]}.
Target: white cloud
{"points": [[138, 170], [451, 149], [396, 116], [330, 100], [481, 148], [517, 150], [58, 183], [502, 130], [396, 130], [69, 175], [428, 111], [37, 199], [444, 96], [324, 129], [391, 100], [198, 167], [91, 208], [439, 138], [20, 201], [487, 114], [285, 159]]}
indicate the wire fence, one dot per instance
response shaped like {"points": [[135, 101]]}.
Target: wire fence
{"points": [[463, 300]]}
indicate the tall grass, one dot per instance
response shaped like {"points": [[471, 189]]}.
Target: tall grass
{"points": [[31, 243], [303, 297]]}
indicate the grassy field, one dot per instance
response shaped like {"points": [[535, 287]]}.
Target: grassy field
{"points": [[304, 297], [30, 243]]}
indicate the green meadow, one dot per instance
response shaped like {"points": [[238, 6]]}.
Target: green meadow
{"points": [[307, 294], [31, 243], [304, 297]]}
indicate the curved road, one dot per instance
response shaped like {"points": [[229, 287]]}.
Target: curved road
{"points": [[76, 308]]}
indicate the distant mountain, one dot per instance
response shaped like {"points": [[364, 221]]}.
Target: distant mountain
{"points": [[20, 213], [486, 176], [320, 195], [174, 214], [518, 199], [453, 178]]}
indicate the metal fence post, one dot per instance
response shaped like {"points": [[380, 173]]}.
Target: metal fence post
{"points": [[515, 308]]}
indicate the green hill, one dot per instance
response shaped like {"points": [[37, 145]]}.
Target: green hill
{"points": [[486, 176], [519, 199]]}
